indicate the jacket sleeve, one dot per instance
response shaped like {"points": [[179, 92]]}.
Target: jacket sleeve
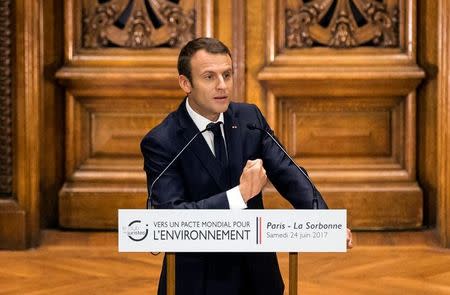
{"points": [[169, 191], [283, 174]]}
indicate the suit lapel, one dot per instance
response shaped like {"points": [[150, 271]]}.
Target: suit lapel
{"points": [[234, 145], [199, 146]]}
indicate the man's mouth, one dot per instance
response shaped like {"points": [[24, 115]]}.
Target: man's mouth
{"points": [[221, 97]]}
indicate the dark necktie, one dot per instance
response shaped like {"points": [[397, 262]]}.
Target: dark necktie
{"points": [[219, 143]]}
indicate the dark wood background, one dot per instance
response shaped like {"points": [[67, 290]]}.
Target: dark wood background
{"points": [[355, 102]]}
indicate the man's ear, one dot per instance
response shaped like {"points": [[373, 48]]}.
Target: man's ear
{"points": [[185, 84]]}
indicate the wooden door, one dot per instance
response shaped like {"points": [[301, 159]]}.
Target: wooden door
{"points": [[336, 79], [121, 80], [339, 86]]}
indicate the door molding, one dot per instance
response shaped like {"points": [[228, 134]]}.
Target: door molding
{"points": [[19, 215], [443, 124]]}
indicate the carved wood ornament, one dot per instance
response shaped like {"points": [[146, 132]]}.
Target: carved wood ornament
{"points": [[5, 99], [342, 23], [138, 24]]}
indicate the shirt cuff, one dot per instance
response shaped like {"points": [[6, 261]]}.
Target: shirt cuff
{"points": [[235, 199]]}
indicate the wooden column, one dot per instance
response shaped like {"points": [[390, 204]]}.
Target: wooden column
{"points": [[293, 273], [443, 136], [19, 214], [171, 279]]}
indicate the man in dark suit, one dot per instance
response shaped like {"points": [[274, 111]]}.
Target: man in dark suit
{"points": [[225, 168]]}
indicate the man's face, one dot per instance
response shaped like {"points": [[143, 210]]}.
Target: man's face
{"points": [[212, 83]]}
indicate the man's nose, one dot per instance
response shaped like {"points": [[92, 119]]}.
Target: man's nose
{"points": [[221, 83]]}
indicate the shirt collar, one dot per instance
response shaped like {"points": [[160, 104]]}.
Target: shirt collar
{"points": [[200, 121]]}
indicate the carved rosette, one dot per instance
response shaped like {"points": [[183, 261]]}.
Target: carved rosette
{"points": [[138, 24], [181, 26], [5, 99], [387, 25], [139, 33], [94, 26], [342, 23], [297, 34], [343, 33]]}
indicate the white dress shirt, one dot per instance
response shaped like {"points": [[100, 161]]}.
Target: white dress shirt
{"points": [[234, 196]]}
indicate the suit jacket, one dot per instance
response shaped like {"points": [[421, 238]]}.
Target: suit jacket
{"points": [[198, 181]]}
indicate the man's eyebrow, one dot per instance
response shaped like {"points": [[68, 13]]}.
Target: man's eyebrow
{"points": [[207, 71], [207, 74]]}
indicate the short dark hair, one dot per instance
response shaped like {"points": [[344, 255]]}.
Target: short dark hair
{"points": [[210, 45]]}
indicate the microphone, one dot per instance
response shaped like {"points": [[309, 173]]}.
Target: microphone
{"points": [[315, 203], [149, 200]]}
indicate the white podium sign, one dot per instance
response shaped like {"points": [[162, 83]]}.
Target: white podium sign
{"points": [[232, 230]]}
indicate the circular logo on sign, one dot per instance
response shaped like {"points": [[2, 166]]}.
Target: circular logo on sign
{"points": [[137, 231]]}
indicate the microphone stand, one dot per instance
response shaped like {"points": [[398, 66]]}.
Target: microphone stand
{"points": [[315, 202], [149, 200], [293, 256], [170, 257]]}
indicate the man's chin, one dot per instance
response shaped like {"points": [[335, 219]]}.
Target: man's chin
{"points": [[223, 107]]}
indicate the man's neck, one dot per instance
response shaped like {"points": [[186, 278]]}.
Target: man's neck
{"points": [[200, 120]]}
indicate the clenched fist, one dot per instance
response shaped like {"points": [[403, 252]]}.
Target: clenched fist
{"points": [[253, 179]]}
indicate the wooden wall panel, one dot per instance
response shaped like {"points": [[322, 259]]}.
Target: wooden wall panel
{"points": [[115, 125], [403, 200], [344, 103], [337, 128], [103, 162]]}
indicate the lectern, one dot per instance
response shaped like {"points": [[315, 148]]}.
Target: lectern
{"points": [[293, 273], [290, 231]]}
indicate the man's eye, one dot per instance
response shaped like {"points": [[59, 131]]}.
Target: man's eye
{"points": [[208, 77]]}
